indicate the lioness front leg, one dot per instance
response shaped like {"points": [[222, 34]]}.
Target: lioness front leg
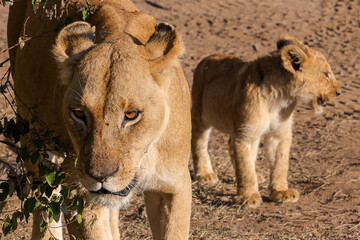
{"points": [[169, 213], [277, 146], [114, 223], [95, 224], [199, 147], [54, 229], [243, 151]]}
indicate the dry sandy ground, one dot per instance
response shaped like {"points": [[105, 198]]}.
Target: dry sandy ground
{"points": [[325, 154]]}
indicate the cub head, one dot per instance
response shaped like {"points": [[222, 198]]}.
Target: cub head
{"points": [[115, 105], [312, 79]]}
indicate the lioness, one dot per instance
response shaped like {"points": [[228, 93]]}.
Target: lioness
{"points": [[114, 91], [249, 99]]}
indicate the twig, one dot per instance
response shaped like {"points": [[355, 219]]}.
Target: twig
{"points": [[156, 5], [28, 39], [13, 147], [8, 165], [2, 64], [356, 226]]}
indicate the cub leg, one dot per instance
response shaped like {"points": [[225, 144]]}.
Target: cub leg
{"points": [[243, 152], [199, 147], [169, 213], [260, 177], [277, 146]]}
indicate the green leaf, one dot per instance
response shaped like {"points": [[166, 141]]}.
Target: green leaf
{"points": [[5, 191], [76, 161], [73, 237], [37, 205], [64, 209], [34, 157], [80, 207], [50, 176], [60, 178], [25, 154], [51, 215], [55, 207], [43, 226], [74, 203], [85, 14], [6, 228], [54, 198], [65, 192], [42, 189], [26, 190], [49, 190], [46, 156], [29, 206], [51, 238], [14, 220], [79, 218], [11, 188], [44, 200]]}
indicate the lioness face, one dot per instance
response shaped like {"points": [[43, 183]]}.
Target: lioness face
{"points": [[313, 81], [114, 110], [115, 104]]}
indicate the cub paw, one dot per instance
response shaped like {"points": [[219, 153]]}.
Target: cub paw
{"points": [[209, 179], [252, 201], [290, 195]]}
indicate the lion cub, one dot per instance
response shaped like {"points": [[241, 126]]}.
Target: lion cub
{"points": [[250, 99]]}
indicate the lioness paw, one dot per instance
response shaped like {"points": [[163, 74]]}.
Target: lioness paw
{"points": [[209, 179], [252, 201], [290, 195]]}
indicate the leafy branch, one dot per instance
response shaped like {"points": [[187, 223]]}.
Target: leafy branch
{"points": [[45, 189]]}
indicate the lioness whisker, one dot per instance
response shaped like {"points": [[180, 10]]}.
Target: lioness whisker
{"points": [[81, 97]]}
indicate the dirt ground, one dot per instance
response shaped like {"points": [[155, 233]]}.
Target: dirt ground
{"points": [[325, 154]]}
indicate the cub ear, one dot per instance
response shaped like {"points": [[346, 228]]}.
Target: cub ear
{"points": [[287, 39], [292, 57], [164, 46], [70, 46]]}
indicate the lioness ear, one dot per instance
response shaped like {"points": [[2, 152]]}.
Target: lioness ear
{"points": [[287, 39], [164, 46], [71, 44], [293, 57]]}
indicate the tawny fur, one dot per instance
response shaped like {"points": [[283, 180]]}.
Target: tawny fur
{"points": [[82, 81], [248, 100]]}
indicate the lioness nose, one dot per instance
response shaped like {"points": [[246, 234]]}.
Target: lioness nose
{"points": [[100, 174]]}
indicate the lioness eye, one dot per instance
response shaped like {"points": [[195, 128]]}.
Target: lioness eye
{"points": [[79, 114], [131, 115]]}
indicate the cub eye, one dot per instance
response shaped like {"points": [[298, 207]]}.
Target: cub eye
{"points": [[131, 115], [79, 114], [327, 75]]}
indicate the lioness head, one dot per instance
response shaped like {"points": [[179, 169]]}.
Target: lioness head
{"points": [[313, 80], [115, 106]]}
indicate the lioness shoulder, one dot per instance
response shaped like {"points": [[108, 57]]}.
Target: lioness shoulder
{"points": [[114, 91]]}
